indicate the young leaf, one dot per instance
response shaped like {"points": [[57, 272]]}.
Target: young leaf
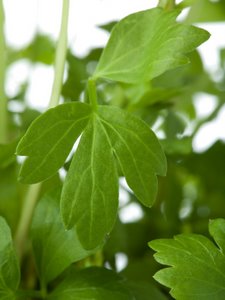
{"points": [[9, 267], [92, 283], [146, 44], [49, 140], [197, 265], [54, 248], [90, 193]]}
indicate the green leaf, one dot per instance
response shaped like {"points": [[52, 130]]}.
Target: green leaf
{"points": [[92, 283], [54, 248], [9, 267], [90, 192], [206, 11], [145, 291], [49, 140], [146, 44], [7, 154], [137, 149], [197, 265]]}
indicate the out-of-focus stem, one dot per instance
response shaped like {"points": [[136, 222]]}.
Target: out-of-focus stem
{"points": [[3, 100]]}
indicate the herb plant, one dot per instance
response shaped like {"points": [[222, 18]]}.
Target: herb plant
{"points": [[60, 236]]}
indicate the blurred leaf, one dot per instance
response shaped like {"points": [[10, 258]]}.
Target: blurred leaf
{"points": [[191, 257], [10, 195], [145, 291], [206, 11], [7, 154], [177, 145], [150, 57], [109, 26], [92, 283], [9, 267], [41, 49], [54, 247]]}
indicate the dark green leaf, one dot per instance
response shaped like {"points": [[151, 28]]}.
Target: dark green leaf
{"points": [[153, 41], [137, 149], [49, 140], [54, 247], [92, 284], [197, 265], [9, 267], [145, 291], [90, 192]]}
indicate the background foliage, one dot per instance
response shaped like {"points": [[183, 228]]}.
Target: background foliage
{"points": [[55, 264]]}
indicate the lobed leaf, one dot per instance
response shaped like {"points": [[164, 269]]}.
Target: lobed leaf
{"points": [[90, 191], [49, 140], [9, 267], [54, 247], [137, 150], [196, 265], [146, 44]]}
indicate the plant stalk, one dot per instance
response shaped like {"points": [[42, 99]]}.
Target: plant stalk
{"points": [[25, 219], [32, 195], [3, 100], [60, 56]]}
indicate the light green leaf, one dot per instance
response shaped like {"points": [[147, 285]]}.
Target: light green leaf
{"points": [[137, 149], [146, 44], [92, 284], [197, 265], [90, 192], [49, 140], [9, 267], [54, 247]]}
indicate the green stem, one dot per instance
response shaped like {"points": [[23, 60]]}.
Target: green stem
{"points": [[60, 56], [3, 100], [34, 190], [92, 93], [26, 216]]}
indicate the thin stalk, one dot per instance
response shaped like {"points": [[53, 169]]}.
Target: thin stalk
{"points": [[26, 216], [3, 100], [32, 195], [60, 56]]}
